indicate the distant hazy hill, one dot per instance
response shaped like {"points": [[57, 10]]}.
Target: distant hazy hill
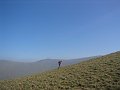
{"points": [[102, 73], [10, 69]]}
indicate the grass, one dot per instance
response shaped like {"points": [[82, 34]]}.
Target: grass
{"points": [[96, 74]]}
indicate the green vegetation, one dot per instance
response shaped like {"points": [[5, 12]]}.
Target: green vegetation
{"points": [[96, 74]]}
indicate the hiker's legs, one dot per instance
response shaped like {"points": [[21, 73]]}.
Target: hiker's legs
{"points": [[59, 66]]}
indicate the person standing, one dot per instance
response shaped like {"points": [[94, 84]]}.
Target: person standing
{"points": [[59, 63]]}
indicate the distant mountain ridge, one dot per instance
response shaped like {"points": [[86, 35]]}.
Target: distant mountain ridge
{"points": [[13, 69]]}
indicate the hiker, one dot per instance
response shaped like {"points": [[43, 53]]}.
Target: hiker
{"points": [[59, 63]]}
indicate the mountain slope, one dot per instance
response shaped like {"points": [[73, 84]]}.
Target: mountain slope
{"points": [[11, 69], [96, 74]]}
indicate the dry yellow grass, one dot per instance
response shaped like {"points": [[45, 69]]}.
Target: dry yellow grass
{"points": [[96, 74]]}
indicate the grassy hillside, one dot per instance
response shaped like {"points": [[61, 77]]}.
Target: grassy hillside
{"points": [[96, 74]]}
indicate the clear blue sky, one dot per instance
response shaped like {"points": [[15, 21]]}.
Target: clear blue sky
{"points": [[39, 29]]}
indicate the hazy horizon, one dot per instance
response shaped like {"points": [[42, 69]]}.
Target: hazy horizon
{"points": [[35, 30]]}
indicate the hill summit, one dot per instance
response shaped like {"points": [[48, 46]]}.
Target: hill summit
{"points": [[102, 73]]}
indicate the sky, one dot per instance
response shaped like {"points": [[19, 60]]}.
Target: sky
{"points": [[31, 30]]}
